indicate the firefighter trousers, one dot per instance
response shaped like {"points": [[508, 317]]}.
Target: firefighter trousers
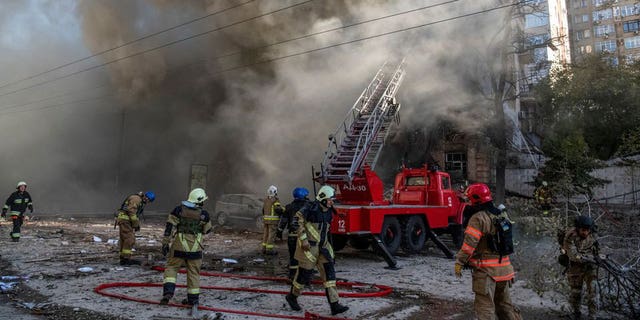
{"points": [[269, 237], [578, 278], [293, 262], [127, 238], [492, 299], [193, 277], [327, 275], [17, 224]]}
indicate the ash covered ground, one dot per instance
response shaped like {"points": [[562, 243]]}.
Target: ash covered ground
{"points": [[60, 260]]}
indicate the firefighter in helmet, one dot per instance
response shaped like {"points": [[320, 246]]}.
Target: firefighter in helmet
{"points": [[271, 212], [18, 202], [290, 222], [543, 197], [492, 274], [314, 249], [582, 249], [186, 225], [128, 223]]}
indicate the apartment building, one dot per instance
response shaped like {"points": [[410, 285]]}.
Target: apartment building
{"points": [[608, 27]]}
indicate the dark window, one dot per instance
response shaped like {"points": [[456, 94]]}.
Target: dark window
{"points": [[631, 26], [456, 165]]}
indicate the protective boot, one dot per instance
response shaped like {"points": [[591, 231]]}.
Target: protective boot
{"points": [[168, 289], [15, 239], [194, 313], [165, 299], [337, 308], [293, 302]]}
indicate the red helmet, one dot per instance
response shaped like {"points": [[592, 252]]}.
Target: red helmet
{"points": [[478, 193]]}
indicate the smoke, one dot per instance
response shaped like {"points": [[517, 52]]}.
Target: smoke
{"points": [[258, 125]]}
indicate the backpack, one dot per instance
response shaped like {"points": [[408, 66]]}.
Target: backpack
{"points": [[502, 240]]}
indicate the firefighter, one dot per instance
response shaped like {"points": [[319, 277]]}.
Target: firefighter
{"points": [[543, 198], [582, 249], [128, 223], [271, 212], [290, 222], [186, 225], [314, 249], [18, 202], [492, 273]]}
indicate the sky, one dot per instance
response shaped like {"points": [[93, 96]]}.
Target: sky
{"points": [[87, 134]]}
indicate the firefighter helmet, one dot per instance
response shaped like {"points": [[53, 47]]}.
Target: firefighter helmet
{"points": [[272, 191], [584, 222], [478, 193], [544, 183], [150, 195], [300, 193], [21, 183], [325, 193], [197, 195]]}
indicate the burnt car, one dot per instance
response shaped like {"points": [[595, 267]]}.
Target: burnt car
{"points": [[239, 210]]}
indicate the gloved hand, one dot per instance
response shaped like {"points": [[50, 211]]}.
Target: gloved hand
{"points": [[458, 270], [305, 245], [165, 249], [279, 233], [30, 208], [136, 229]]}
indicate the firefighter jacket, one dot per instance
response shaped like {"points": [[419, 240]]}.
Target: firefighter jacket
{"points": [[476, 252], [542, 195], [314, 226], [18, 202], [131, 207], [271, 210], [189, 225], [289, 219], [579, 249]]}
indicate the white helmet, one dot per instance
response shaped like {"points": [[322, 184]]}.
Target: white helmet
{"points": [[326, 192], [197, 195], [272, 191], [21, 183]]}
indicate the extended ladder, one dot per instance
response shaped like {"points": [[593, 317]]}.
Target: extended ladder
{"points": [[358, 140]]}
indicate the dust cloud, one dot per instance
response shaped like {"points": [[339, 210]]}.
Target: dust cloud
{"points": [[266, 123]]}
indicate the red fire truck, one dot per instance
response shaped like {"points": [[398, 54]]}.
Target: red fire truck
{"points": [[423, 203]]}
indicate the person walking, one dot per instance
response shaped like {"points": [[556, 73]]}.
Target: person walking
{"points": [[493, 273], [18, 202], [581, 246], [271, 212], [289, 222], [314, 250], [186, 225], [128, 222]]}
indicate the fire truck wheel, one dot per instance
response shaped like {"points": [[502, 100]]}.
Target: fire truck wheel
{"points": [[391, 234], [338, 242], [413, 235]]}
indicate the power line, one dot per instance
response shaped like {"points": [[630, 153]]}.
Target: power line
{"points": [[226, 55], [345, 42], [287, 40], [158, 47], [126, 44], [62, 104]]}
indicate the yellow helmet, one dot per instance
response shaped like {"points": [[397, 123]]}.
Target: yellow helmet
{"points": [[197, 195], [326, 192]]}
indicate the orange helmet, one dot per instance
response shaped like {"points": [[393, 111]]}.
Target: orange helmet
{"points": [[478, 193]]}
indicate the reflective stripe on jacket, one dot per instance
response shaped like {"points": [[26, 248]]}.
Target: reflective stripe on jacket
{"points": [[475, 250]]}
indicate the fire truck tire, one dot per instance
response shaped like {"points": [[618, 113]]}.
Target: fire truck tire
{"points": [[360, 243], [391, 234], [222, 218], [414, 235], [338, 242]]}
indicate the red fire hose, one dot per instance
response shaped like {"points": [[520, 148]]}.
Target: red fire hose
{"points": [[382, 291]]}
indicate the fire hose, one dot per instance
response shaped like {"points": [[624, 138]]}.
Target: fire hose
{"points": [[382, 291]]}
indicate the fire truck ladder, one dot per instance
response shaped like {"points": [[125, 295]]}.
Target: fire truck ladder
{"points": [[359, 139]]}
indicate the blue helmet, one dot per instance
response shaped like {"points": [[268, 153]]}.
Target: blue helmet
{"points": [[150, 195], [300, 193]]}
